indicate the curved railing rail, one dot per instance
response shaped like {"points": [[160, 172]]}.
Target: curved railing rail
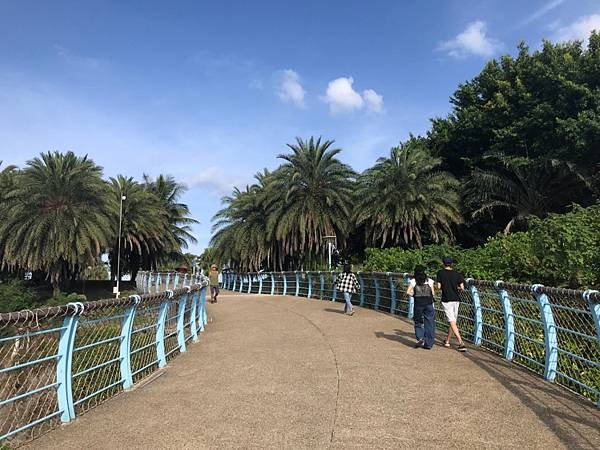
{"points": [[58, 362], [554, 332]]}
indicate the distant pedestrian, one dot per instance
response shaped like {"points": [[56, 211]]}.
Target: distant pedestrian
{"points": [[347, 283], [213, 281], [451, 283], [422, 290]]}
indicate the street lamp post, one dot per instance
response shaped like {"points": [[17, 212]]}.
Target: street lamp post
{"points": [[330, 240], [123, 197]]}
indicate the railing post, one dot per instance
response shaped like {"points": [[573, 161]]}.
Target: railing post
{"points": [[160, 331], [260, 282], [125, 344], [176, 280], [361, 281], [284, 283], [297, 283], [550, 338], [64, 391], [377, 292], [194, 309], [411, 300], [334, 293], [168, 280], [181, 322], [234, 281], [322, 283], [392, 293], [509, 322], [272, 283], [478, 331], [595, 311], [309, 277], [249, 283], [241, 283], [149, 284]]}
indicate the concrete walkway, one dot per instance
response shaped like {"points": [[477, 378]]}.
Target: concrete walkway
{"points": [[285, 372]]}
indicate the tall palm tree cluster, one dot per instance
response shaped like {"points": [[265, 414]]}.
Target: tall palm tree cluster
{"points": [[58, 216], [281, 221]]}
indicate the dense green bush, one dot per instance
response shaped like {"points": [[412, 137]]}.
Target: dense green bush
{"points": [[15, 296], [561, 250]]}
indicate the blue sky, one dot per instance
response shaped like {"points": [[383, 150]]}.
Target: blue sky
{"points": [[211, 92]]}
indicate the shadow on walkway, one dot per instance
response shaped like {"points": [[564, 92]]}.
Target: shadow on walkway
{"points": [[403, 337], [548, 401]]}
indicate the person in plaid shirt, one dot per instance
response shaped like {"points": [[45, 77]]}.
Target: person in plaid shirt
{"points": [[347, 283]]}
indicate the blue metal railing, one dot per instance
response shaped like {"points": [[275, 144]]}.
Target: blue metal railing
{"points": [[554, 332], [58, 362]]}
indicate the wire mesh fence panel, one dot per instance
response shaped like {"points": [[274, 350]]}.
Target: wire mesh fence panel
{"points": [[493, 333], [278, 286], [267, 283], [529, 347], [28, 356], [578, 365], [171, 345], [302, 284], [369, 290], [96, 360], [187, 319], [402, 298], [143, 342]]}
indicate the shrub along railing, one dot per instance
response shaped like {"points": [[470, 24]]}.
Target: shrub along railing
{"points": [[554, 332], [58, 362]]}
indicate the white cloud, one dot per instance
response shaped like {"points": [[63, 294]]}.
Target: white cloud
{"points": [[542, 11], [342, 98], [373, 100], [214, 179], [472, 41], [580, 29], [290, 89]]}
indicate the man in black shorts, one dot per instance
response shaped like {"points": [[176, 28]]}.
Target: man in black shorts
{"points": [[450, 282]]}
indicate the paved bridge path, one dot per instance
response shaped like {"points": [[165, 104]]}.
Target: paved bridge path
{"points": [[286, 372]]}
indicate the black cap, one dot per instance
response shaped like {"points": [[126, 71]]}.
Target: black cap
{"points": [[448, 260]]}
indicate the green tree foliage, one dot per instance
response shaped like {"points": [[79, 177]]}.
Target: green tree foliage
{"points": [[56, 218], [541, 104], [524, 188], [560, 250], [405, 199]]}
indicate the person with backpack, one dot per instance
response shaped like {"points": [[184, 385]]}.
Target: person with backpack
{"points": [[421, 289], [347, 283], [451, 283]]}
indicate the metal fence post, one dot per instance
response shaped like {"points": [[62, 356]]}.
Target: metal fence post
{"points": [[160, 331], [478, 331], [272, 283], [249, 283], [322, 283], [411, 300], [181, 322], [125, 344], [550, 338], [193, 314], [509, 322], [377, 292], [297, 283], [234, 281], [64, 391], [595, 311], [361, 281], [392, 293], [260, 283], [334, 292], [241, 283], [309, 277], [284, 283], [168, 280]]}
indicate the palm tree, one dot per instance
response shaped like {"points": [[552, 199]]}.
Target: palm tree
{"points": [[169, 192], [56, 217], [405, 198], [144, 226], [240, 228], [311, 198], [523, 188]]}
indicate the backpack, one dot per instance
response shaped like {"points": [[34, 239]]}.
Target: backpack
{"points": [[423, 290]]}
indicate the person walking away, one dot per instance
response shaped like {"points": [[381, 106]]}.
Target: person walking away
{"points": [[422, 290], [213, 281], [451, 282], [347, 283]]}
